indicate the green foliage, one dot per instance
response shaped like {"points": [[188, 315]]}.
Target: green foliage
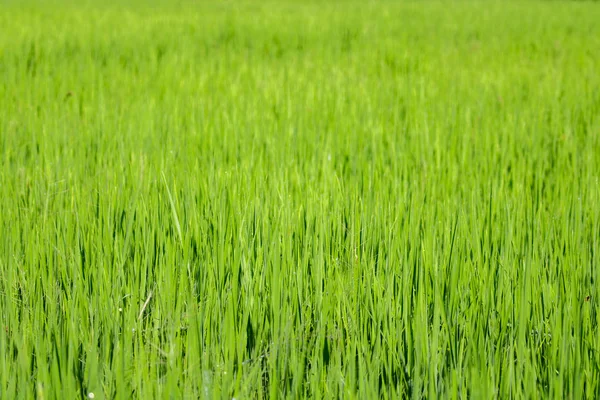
{"points": [[351, 200]]}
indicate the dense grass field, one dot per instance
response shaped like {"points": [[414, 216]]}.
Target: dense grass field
{"points": [[287, 200]]}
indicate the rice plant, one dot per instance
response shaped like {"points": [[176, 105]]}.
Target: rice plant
{"points": [[299, 200]]}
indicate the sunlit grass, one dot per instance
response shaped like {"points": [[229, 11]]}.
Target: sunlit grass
{"points": [[350, 200]]}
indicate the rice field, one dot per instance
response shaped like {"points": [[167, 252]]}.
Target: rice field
{"points": [[344, 200]]}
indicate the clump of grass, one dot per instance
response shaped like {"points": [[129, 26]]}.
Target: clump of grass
{"points": [[299, 200]]}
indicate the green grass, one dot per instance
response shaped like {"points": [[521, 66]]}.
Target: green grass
{"points": [[341, 200]]}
